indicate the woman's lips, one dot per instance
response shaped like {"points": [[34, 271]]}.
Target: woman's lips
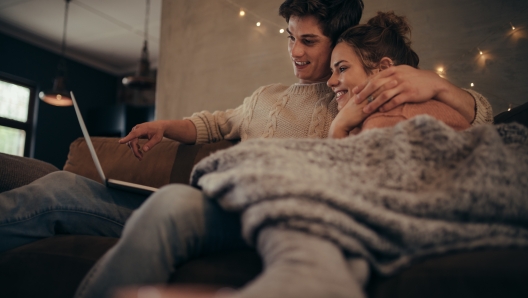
{"points": [[341, 98]]}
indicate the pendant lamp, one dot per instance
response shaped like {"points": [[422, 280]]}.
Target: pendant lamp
{"points": [[142, 79], [59, 95]]}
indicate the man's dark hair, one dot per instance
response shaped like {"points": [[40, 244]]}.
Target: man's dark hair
{"points": [[334, 16]]}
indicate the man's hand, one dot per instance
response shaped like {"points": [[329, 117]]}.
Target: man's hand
{"points": [[397, 85], [349, 118], [153, 131], [404, 84], [182, 131]]}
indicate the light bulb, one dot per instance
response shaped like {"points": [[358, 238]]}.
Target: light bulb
{"points": [[472, 84], [258, 24], [242, 13], [440, 69], [480, 52], [513, 27], [281, 31]]}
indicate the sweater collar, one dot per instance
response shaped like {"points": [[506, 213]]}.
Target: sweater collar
{"points": [[303, 89]]}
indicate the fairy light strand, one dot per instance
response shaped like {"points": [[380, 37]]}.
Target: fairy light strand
{"points": [[260, 21]]}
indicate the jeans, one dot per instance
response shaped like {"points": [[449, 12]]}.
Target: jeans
{"points": [[63, 203], [178, 223], [175, 224]]}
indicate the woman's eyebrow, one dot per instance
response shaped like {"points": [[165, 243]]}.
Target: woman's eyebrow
{"points": [[338, 62]]}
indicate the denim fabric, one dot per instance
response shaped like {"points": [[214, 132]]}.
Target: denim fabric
{"points": [[175, 224], [62, 203]]}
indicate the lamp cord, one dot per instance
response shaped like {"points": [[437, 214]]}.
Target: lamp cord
{"points": [[63, 50], [147, 13]]}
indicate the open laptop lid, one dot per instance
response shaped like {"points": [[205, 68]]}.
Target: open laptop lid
{"points": [[88, 140], [123, 185]]}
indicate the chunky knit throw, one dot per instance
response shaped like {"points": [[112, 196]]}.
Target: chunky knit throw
{"points": [[390, 195]]}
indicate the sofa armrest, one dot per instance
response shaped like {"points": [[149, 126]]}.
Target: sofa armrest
{"points": [[18, 171], [168, 162]]}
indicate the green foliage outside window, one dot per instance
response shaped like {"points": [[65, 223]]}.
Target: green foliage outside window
{"points": [[14, 105]]}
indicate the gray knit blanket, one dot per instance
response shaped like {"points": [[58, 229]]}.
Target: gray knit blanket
{"points": [[392, 195]]}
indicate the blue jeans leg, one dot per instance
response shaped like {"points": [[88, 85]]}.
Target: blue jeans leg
{"points": [[175, 224], [63, 203]]}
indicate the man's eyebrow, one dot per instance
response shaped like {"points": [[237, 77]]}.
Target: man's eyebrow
{"points": [[305, 35]]}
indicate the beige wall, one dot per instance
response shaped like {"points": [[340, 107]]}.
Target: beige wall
{"points": [[211, 58]]}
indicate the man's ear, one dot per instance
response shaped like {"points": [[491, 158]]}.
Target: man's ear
{"points": [[385, 63]]}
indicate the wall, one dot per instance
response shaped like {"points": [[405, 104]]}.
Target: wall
{"points": [[212, 59], [56, 127]]}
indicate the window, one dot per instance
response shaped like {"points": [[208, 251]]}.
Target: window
{"points": [[17, 100]]}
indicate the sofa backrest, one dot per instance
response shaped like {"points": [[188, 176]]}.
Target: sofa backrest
{"points": [[168, 162]]}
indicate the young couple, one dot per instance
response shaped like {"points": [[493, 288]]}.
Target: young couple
{"points": [[178, 222]]}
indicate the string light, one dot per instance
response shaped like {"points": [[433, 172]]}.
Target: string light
{"points": [[510, 107], [472, 85], [513, 27], [252, 16], [480, 51]]}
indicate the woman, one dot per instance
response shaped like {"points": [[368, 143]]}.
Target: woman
{"points": [[365, 50]]}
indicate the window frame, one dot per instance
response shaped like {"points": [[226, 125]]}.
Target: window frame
{"points": [[29, 125]]}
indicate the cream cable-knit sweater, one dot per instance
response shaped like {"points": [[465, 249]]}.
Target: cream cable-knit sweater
{"points": [[279, 111]]}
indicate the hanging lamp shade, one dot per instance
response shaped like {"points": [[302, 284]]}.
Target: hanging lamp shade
{"points": [[142, 79], [59, 95]]}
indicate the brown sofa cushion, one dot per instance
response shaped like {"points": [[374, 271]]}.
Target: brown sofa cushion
{"points": [[17, 171], [168, 162], [55, 266], [475, 274]]}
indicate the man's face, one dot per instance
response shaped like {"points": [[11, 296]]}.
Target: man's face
{"points": [[309, 50]]}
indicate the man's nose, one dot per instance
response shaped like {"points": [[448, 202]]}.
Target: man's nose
{"points": [[297, 50]]}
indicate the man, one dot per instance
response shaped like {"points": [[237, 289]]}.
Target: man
{"points": [[177, 222]]}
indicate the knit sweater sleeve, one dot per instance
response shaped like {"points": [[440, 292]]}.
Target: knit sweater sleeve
{"points": [[483, 110], [220, 125]]}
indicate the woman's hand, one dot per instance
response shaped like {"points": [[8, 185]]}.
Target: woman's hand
{"points": [[404, 84], [153, 131], [348, 119]]}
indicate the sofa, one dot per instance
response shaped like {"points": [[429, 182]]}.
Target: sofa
{"points": [[54, 267]]}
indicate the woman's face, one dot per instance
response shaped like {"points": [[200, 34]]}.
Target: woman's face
{"points": [[347, 73], [309, 50]]}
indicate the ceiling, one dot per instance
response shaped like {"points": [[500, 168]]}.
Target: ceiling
{"points": [[106, 34]]}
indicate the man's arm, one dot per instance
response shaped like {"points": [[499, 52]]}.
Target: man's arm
{"points": [[182, 131], [401, 84]]}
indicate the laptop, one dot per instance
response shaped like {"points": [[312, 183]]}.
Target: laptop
{"points": [[118, 184]]}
